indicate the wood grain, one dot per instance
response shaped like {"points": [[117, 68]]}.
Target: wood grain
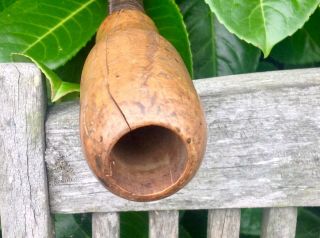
{"points": [[105, 225], [279, 222], [122, 99], [263, 149], [163, 224], [224, 223], [23, 183]]}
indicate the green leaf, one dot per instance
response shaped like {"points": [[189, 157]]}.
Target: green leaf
{"points": [[134, 224], [303, 47], [68, 226], [215, 51], [251, 221], [71, 71], [195, 223], [304, 66], [183, 233], [49, 31], [266, 66], [169, 21], [263, 23], [5, 4], [58, 88], [308, 224]]}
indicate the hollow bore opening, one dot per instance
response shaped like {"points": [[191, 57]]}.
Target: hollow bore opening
{"points": [[148, 160]]}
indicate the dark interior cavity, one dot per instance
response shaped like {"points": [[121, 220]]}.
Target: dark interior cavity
{"points": [[148, 160]]}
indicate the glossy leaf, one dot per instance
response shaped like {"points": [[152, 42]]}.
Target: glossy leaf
{"points": [[183, 233], [303, 47], [263, 23], [266, 66], [71, 71], [49, 31], [5, 4], [304, 66], [78, 225], [195, 223], [134, 224], [215, 50], [169, 21], [251, 221], [308, 224], [58, 88]]}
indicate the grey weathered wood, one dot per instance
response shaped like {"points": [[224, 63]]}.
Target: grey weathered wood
{"points": [[263, 149], [163, 224], [105, 225], [224, 223], [279, 222], [23, 184]]}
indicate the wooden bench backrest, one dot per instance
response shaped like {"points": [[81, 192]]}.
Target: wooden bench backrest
{"points": [[263, 151]]}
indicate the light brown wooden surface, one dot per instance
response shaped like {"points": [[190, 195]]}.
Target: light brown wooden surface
{"points": [[137, 137]]}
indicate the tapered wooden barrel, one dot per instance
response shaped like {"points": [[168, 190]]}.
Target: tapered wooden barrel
{"points": [[142, 126]]}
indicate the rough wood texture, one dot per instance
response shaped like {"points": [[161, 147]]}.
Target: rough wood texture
{"points": [[263, 149], [163, 224], [279, 222], [224, 223], [105, 225], [23, 183]]}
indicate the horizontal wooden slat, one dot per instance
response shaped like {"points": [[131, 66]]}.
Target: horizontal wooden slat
{"points": [[163, 224], [263, 149], [224, 223]]}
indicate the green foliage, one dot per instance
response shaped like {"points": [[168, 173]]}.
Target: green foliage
{"points": [[195, 223], [308, 224], [58, 88], [78, 225], [303, 47], [169, 21], [134, 224], [49, 31], [251, 221], [215, 50], [263, 23], [214, 39], [5, 4]]}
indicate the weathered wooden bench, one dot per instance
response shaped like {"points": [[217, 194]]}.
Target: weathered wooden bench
{"points": [[263, 151]]}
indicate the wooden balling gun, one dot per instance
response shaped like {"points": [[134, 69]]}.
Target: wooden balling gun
{"points": [[143, 130]]}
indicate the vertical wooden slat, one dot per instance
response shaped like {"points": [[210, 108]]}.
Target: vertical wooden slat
{"points": [[163, 224], [279, 222], [105, 225], [23, 181], [224, 223]]}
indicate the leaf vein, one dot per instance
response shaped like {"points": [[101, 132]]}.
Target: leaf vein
{"points": [[82, 7]]}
